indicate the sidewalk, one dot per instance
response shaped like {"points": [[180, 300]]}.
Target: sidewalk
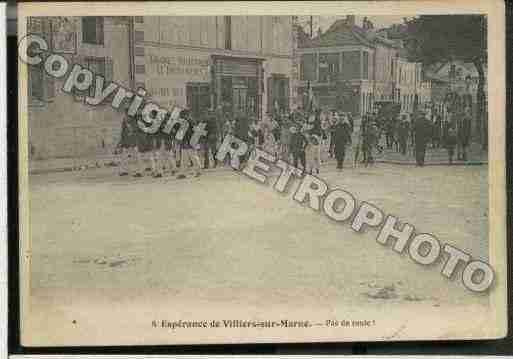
{"points": [[435, 156]]}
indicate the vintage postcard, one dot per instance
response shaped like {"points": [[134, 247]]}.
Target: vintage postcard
{"points": [[261, 172]]}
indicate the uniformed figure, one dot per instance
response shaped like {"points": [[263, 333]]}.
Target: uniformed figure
{"points": [[144, 147], [450, 142], [189, 154], [169, 160], [126, 147]]}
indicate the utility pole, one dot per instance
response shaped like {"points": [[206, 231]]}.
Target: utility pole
{"points": [[311, 26]]}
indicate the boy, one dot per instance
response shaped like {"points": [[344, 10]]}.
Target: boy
{"points": [[188, 152]]}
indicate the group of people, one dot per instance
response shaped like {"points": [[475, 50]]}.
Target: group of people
{"points": [[160, 148], [416, 132], [301, 138]]}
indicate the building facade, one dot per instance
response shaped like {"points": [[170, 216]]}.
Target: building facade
{"points": [[240, 63], [363, 63], [61, 125], [348, 68]]}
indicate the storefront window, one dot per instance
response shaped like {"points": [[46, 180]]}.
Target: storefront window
{"points": [[92, 30]]}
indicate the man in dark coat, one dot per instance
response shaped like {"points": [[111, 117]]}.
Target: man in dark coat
{"points": [[297, 147], [463, 127], [210, 145], [404, 133], [422, 133], [341, 138]]}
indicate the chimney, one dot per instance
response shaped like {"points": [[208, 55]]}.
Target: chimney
{"points": [[350, 20]]}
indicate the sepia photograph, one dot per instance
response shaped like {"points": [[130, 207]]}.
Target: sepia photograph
{"points": [[207, 173]]}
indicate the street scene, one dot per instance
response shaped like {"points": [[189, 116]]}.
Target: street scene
{"points": [[389, 108]]}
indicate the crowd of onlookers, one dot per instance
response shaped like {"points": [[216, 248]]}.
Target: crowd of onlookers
{"points": [[303, 139]]}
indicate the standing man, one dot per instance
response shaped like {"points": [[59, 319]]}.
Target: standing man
{"points": [[422, 134], [143, 147], [341, 137], [403, 133], [464, 122], [211, 143], [242, 132], [297, 147]]}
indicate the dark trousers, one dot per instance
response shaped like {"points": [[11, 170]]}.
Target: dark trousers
{"points": [[299, 157], [420, 153], [340, 153], [450, 153], [402, 145]]}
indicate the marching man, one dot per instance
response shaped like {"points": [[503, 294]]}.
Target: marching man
{"points": [[126, 147]]}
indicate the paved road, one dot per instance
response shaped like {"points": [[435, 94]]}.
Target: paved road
{"points": [[224, 239]]}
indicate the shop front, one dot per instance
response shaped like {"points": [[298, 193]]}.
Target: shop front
{"points": [[237, 85]]}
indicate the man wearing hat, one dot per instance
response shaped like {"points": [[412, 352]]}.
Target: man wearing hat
{"points": [[341, 137], [422, 132]]}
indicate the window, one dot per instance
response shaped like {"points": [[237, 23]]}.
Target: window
{"points": [[328, 67], [228, 33], [351, 64], [139, 51], [365, 74], [140, 69], [92, 30], [308, 67]]}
